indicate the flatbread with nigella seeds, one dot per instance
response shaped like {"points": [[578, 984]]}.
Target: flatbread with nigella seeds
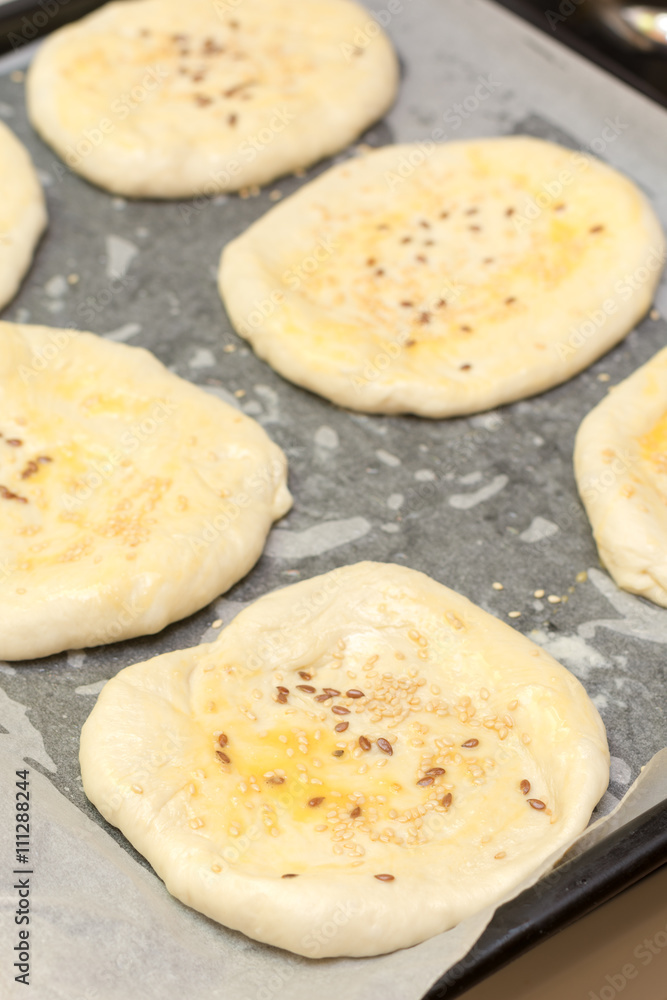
{"points": [[364, 750], [169, 99], [445, 279], [620, 463], [22, 213], [129, 498]]}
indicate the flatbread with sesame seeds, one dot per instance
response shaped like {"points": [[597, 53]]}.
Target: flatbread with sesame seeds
{"points": [[620, 464], [165, 99], [445, 279], [358, 762], [22, 213], [129, 498]]}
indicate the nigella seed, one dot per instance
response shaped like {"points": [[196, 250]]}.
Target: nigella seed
{"points": [[469, 744], [446, 800], [385, 745], [222, 756], [355, 812], [426, 782], [364, 743], [354, 693], [304, 675], [435, 771], [340, 710], [223, 739], [316, 802], [525, 786], [290, 875], [537, 803], [341, 727], [384, 877], [306, 687]]}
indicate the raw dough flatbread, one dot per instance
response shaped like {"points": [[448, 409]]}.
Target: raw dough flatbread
{"points": [[223, 766], [22, 213], [620, 463], [129, 498], [445, 279], [166, 99]]}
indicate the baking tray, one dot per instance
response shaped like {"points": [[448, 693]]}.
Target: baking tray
{"points": [[23, 21], [469, 501]]}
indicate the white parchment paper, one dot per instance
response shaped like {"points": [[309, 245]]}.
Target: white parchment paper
{"points": [[104, 928]]}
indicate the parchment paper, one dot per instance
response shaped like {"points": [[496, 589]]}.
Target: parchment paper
{"points": [[469, 501]]}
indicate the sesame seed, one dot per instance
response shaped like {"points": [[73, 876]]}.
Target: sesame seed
{"points": [[500, 855], [513, 614], [553, 599], [538, 593], [137, 789], [497, 586]]}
